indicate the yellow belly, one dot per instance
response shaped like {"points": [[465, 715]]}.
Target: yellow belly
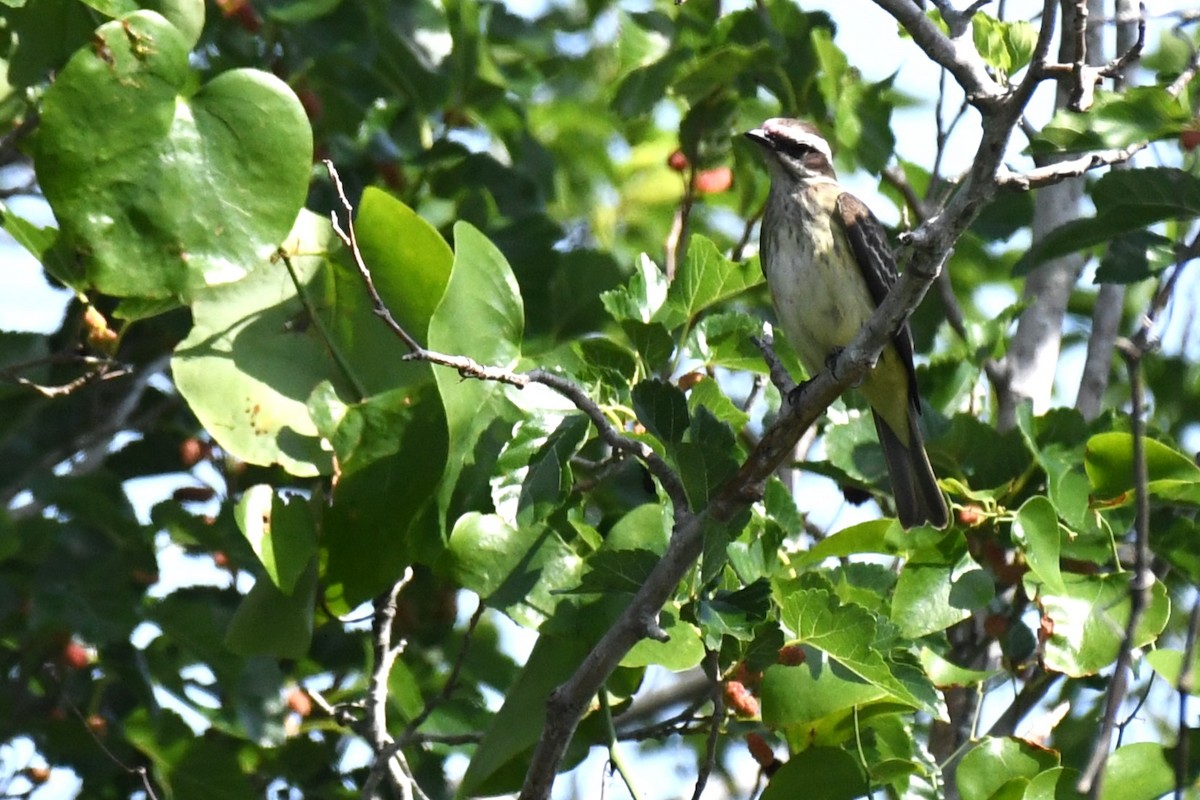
{"points": [[822, 301]]}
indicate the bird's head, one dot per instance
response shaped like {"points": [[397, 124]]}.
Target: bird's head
{"points": [[795, 150]]}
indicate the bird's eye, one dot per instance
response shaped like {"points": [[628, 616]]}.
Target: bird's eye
{"points": [[793, 148]]}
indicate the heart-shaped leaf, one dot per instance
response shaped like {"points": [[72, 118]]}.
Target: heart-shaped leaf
{"points": [[160, 191]]}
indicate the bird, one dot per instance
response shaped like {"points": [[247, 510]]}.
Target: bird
{"points": [[828, 266]]}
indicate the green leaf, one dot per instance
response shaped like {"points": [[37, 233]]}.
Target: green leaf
{"points": [[281, 530], [1088, 619], [1108, 460], [738, 614], [1141, 771], [34, 239], [250, 362], [548, 481], [269, 622], [409, 260], [643, 88], [994, 762], [186, 15], [707, 459], [663, 409], [159, 193], [48, 32], [208, 769], [1135, 257], [707, 394], [1169, 664], [814, 697], [301, 11], [722, 339], [683, 649], [646, 527], [865, 537], [719, 68], [1007, 46], [848, 634], [938, 589], [392, 450], [944, 673], [1117, 119], [497, 765], [1036, 530], [617, 571], [521, 571], [483, 290], [641, 299], [1126, 201], [1054, 784], [841, 777], [705, 278]]}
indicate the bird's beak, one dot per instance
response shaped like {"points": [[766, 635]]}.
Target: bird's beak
{"points": [[759, 137]]}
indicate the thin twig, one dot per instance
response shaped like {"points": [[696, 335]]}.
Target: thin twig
{"points": [[1187, 679], [1133, 350], [614, 754], [141, 772], [451, 683], [714, 732], [470, 368], [389, 760], [310, 309]]}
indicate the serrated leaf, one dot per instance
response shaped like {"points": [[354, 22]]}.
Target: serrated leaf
{"points": [[707, 394], [622, 571], [548, 481], [705, 278], [1135, 257], [1117, 119], [663, 409], [848, 635]]}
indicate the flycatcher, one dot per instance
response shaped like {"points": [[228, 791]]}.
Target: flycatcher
{"points": [[828, 265]]}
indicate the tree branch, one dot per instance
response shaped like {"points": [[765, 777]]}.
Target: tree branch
{"points": [[1134, 351], [958, 54], [470, 368]]}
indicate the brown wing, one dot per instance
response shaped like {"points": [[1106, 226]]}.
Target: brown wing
{"points": [[869, 242]]}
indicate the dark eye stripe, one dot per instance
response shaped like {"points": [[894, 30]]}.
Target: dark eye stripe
{"points": [[791, 147]]}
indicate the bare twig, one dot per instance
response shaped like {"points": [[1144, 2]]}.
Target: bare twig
{"points": [[410, 730], [1134, 350], [739, 249], [676, 244], [957, 53], [389, 758], [716, 692], [1059, 171], [141, 772], [470, 368], [1187, 680]]}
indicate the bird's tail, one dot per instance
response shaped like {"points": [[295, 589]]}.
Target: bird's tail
{"points": [[918, 499]]}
